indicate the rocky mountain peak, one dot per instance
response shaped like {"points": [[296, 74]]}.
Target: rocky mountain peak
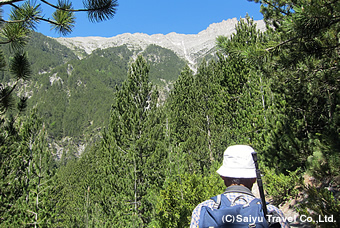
{"points": [[187, 46]]}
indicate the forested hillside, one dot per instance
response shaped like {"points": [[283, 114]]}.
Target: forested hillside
{"points": [[74, 96], [155, 159]]}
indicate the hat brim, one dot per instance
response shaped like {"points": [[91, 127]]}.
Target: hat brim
{"points": [[236, 173]]}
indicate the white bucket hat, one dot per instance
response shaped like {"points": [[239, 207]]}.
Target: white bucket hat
{"points": [[238, 162]]}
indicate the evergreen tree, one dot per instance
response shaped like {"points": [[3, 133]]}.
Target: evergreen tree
{"points": [[132, 151], [302, 61], [27, 169], [181, 108], [74, 190], [209, 110], [39, 201], [249, 102]]}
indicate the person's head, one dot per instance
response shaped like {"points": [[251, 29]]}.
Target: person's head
{"points": [[238, 166]]}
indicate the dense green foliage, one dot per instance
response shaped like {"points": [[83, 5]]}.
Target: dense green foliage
{"points": [[27, 166], [154, 160], [27, 169]]}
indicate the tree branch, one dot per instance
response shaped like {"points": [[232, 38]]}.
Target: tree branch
{"points": [[15, 21], [7, 2], [34, 18], [16, 83], [70, 10], [280, 44], [275, 7]]}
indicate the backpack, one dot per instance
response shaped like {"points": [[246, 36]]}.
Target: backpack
{"points": [[226, 214]]}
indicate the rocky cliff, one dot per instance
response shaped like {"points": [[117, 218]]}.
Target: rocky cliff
{"points": [[189, 47]]}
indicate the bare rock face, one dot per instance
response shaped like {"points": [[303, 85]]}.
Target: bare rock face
{"points": [[189, 47]]}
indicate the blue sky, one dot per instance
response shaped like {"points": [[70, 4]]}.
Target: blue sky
{"points": [[157, 16]]}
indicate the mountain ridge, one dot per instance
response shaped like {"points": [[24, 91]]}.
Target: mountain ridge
{"points": [[187, 46]]}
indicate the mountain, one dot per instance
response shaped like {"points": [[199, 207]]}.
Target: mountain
{"points": [[191, 47], [74, 98], [74, 79]]}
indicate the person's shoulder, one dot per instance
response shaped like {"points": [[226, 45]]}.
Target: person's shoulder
{"points": [[207, 203], [196, 213]]}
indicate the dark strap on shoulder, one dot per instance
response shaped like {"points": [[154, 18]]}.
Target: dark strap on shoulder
{"points": [[238, 189]]}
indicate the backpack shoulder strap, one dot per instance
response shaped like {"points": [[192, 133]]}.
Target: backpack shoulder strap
{"points": [[219, 199], [217, 202]]}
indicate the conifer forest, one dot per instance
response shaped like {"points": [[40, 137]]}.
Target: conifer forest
{"points": [[153, 160]]}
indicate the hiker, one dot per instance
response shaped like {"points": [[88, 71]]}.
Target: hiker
{"points": [[238, 172]]}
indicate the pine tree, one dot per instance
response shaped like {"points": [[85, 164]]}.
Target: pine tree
{"points": [[209, 109], [39, 200], [26, 178], [302, 61], [249, 105], [181, 116], [132, 149], [75, 192], [191, 120]]}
